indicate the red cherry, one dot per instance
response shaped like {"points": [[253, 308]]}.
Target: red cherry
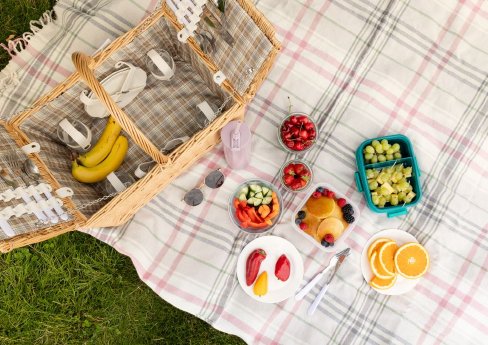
{"points": [[330, 194], [295, 131], [287, 135], [293, 119], [309, 126], [304, 134], [312, 132], [298, 146], [341, 202], [290, 144], [303, 226], [303, 119], [311, 136], [299, 168], [307, 144], [288, 179]]}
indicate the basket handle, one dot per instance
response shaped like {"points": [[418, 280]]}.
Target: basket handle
{"points": [[84, 65]]}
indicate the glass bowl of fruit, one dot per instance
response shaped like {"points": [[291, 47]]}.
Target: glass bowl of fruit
{"points": [[297, 133], [296, 175], [255, 206]]}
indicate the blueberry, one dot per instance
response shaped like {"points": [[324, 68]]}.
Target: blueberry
{"points": [[298, 221], [325, 243], [301, 214], [320, 189]]}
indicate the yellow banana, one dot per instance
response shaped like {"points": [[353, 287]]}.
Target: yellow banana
{"points": [[100, 172], [103, 146]]}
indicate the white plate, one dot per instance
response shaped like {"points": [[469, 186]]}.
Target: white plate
{"points": [[402, 285], [274, 247]]}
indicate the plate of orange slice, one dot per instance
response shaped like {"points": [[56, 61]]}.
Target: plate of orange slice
{"points": [[393, 261]]}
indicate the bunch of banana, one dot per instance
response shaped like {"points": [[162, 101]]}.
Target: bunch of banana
{"points": [[105, 157]]}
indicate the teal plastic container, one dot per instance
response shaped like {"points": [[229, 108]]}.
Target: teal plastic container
{"points": [[408, 159]]}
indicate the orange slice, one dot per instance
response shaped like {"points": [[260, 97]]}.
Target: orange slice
{"points": [[412, 260], [376, 267], [382, 284], [330, 226], [321, 207], [377, 245], [386, 257]]}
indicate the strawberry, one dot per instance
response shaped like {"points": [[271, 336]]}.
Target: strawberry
{"points": [[303, 182], [288, 179], [299, 168], [341, 202], [289, 170]]}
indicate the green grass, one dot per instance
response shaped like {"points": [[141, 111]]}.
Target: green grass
{"points": [[74, 289]]}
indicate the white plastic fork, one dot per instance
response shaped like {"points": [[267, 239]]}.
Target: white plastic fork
{"points": [[310, 285]]}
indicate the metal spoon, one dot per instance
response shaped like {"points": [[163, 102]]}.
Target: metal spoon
{"points": [[32, 171]]}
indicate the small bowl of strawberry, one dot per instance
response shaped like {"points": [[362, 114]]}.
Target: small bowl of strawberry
{"points": [[297, 133], [296, 175]]}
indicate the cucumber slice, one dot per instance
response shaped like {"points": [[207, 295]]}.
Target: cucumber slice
{"points": [[257, 202], [258, 195], [265, 190], [267, 200], [242, 197], [270, 193], [255, 188], [250, 201], [251, 194], [244, 190]]}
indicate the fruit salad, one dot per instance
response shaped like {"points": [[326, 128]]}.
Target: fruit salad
{"points": [[256, 206], [296, 175], [325, 217], [390, 186], [297, 132]]}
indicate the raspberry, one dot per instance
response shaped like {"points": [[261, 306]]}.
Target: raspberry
{"points": [[330, 194], [349, 218], [316, 195], [329, 238], [325, 192], [341, 202], [303, 226], [347, 209]]}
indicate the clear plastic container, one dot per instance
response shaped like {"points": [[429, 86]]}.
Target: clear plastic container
{"points": [[282, 174], [338, 242], [286, 148]]}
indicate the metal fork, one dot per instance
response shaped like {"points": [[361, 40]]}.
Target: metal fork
{"points": [[310, 285], [14, 163]]}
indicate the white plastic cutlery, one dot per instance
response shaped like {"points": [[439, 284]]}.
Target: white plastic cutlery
{"points": [[311, 284], [318, 299]]}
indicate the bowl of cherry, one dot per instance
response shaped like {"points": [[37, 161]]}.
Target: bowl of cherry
{"points": [[297, 133], [296, 175]]}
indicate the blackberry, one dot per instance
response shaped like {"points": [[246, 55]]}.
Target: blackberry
{"points": [[320, 189], [298, 221], [347, 209], [349, 218], [301, 214]]}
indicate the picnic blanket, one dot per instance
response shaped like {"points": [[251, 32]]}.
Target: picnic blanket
{"points": [[362, 68]]}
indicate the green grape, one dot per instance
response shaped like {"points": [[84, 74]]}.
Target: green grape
{"points": [[388, 197], [399, 167], [389, 157], [395, 147], [390, 151], [386, 146], [384, 142], [375, 143], [381, 158], [373, 185], [394, 199], [374, 159], [397, 155], [370, 173], [401, 196], [389, 170], [369, 149], [376, 200], [397, 176], [368, 156], [409, 188], [379, 149]]}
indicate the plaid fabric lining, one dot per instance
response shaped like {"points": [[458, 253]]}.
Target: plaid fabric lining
{"points": [[28, 222], [250, 49], [169, 109]]}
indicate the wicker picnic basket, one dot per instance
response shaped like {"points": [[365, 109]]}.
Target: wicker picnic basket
{"points": [[149, 121]]}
